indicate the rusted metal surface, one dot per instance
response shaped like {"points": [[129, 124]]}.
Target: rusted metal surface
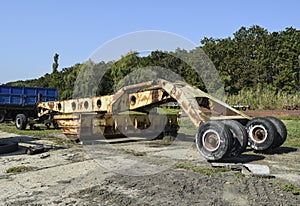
{"points": [[95, 104], [69, 124], [186, 100], [108, 104], [93, 125], [132, 111], [198, 105], [105, 114]]}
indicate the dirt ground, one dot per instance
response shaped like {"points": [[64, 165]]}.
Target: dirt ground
{"points": [[134, 172]]}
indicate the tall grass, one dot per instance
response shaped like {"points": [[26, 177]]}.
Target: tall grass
{"points": [[293, 139], [265, 98]]}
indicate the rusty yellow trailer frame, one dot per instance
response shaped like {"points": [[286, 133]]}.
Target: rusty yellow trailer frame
{"points": [[107, 114], [198, 105], [222, 131]]}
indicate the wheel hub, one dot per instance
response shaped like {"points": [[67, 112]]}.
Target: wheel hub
{"points": [[258, 133], [211, 140]]}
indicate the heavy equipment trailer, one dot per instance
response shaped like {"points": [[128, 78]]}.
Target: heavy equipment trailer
{"points": [[222, 131]]}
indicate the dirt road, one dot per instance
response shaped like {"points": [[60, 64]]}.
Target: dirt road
{"points": [[141, 173]]}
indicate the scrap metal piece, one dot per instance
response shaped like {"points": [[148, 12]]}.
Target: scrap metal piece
{"points": [[43, 156], [246, 169], [35, 150], [260, 170]]}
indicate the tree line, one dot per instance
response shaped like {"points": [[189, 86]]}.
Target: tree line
{"points": [[252, 58]]}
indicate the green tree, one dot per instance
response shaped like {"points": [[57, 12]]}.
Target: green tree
{"points": [[55, 63], [251, 59]]}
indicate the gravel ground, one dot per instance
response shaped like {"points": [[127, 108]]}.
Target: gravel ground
{"points": [[140, 173]]}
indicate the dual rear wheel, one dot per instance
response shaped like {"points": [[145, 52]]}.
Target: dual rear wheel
{"points": [[266, 133], [229, 138], [218, 139], [213, 140]]}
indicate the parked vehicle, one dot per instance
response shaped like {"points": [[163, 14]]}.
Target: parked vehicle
{"points": [[19, 104], [222, 131]]}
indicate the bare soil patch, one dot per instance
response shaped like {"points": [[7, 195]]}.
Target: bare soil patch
{"points": [[141, 173]]}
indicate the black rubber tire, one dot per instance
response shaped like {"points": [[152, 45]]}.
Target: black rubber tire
{"points": [[216, 135], [8, 146], [281, 131], [240, 138], [261, 133], [2, 116], [21, 121]]}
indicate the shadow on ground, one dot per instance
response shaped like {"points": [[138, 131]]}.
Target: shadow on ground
{"points": [[243, 158], [21, 149], [279, 150]]}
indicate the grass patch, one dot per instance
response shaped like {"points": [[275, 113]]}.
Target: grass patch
{"points": [[239, 175], [289, 117], [168, 111], [292, 142], [291, 188], [19, 169], [293, 139], [186, 126], [41, 133], [10, 127], [201, 170], [264, 97]]}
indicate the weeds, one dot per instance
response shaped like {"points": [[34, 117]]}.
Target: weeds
{"points": [[201, 170], [41, 133], [186, 126], [293, 139], [291, 188], [264, 98], [19, 169], [10, 127], [294, 118], [239, 175]]}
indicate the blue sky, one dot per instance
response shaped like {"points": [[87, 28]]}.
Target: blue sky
{"points": [[32, 31]]}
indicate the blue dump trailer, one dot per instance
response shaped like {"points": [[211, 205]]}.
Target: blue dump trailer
{"points": [[19, 103]]}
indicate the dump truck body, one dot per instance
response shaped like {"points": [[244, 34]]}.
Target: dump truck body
{"points": [[16, 100]]}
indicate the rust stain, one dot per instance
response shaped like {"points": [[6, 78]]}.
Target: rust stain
{"points": [[51, 105], [127, 99], [184, 106]]}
